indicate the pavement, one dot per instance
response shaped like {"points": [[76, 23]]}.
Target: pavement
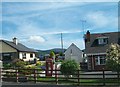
{"points": [[14, 84], [99, 76]]}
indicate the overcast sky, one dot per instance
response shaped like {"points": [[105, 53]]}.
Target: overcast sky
{"points": [[38, 24]]}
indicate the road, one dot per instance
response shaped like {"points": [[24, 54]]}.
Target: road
{"points": [[45, 85]]}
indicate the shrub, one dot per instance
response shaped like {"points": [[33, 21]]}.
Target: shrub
{"points": [[52, 54], [38, 63], [18, 63], [69, 67], [59, 60], [7, 65], [113, 57]]}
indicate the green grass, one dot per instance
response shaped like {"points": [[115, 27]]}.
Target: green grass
{"points": [[81, 82]]}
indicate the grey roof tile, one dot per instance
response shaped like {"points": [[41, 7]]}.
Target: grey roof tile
{"points": [[91, 47], [19, 46]]}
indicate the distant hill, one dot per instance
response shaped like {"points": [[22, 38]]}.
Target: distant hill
{"points": [[56, 50]]}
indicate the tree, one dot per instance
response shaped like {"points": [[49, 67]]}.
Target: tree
{"points": [[52, 55], [69, 67], [61, 54], [113, 57]]}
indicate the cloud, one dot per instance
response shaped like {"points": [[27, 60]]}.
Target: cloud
{"points": [[101, 19], [28, 7], [37, 39], [65, 31], [98, 19], [39, 24]]}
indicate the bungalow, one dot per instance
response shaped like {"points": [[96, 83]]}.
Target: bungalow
{"points": [[10, 50], [74, 53], [96, 46]]}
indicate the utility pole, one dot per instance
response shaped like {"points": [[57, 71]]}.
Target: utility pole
{"points": [[62, 43]]}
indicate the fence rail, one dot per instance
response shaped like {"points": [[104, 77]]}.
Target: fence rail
{"points": [[101, 77]]}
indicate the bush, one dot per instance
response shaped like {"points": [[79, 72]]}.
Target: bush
{"points": [[59, 60], [69, 67], [113, 57], [7, 65], [38, 63], [28, 70], [18, 63]]}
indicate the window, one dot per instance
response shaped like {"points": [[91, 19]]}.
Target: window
{"points": [[100, 60], [31, 55], [24, 55], [71, 51], [102, 41], [6, 57]]}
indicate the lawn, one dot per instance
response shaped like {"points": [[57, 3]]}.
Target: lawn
{"points": [[63, 81]]}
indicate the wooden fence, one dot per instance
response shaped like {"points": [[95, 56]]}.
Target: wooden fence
{"points": [[101, 77]]}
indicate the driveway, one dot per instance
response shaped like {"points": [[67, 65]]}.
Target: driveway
{"points": [[100, 74]]}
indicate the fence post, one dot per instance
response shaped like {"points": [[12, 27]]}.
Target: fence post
{"points": [[0, 75], [56, 78], [118, 76], [78, 77], [35, 76], [17, 75], [103, 77]]}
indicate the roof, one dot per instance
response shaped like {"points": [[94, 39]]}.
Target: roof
{"points": [[92, 47], [19, 46], [72, 45]]}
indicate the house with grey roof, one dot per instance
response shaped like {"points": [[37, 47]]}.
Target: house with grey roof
{"points": [[96, 45], [11, 50]]}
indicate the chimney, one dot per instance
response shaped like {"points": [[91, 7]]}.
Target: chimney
{"points": [[15, 40], [87, 36]]}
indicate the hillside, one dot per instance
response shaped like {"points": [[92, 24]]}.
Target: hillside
{"points": [[56, 50]]}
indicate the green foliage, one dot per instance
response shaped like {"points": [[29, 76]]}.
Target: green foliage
{"points": [[59, 60], [38, 63], [61, 54], [7, 65], [69, 67], [18, 63], [52, 54], [8, 74], [28, 70], [113, 57]]}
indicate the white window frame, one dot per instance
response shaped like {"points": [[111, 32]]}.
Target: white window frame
{"points": [[97, 60], [101, 41], [24, 55]]}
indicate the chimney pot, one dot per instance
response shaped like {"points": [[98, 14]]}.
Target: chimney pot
{"points": [[15, 40]]}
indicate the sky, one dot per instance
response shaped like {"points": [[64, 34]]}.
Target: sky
{"points": [[39, 25]]}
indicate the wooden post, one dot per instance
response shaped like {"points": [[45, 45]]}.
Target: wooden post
{"points": [[17, 75], [118, 76], [78, 77], [103, 77], [35, 76], [56, 78], [0, 75]]}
